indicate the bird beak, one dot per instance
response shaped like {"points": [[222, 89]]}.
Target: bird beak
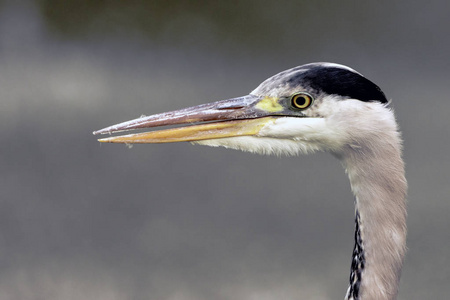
{"points": [[241, 116]]}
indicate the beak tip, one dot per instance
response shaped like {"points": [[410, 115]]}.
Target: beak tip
{"points": [[105, 140], [103, 131]]}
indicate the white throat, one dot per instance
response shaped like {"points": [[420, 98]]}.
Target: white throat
{"points": [[378, 182]]}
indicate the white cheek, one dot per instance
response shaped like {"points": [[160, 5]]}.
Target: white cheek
{"points": [[284, 136], [293, 127], [260, 145], [316, 132]]}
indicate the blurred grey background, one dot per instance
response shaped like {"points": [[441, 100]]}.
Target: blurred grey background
{"points": [[81, 220]]}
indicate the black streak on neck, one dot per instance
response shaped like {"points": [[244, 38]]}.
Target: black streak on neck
{"points": [[358, 262]]}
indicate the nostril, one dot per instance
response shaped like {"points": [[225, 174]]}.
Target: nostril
{"points": [[230, 107]]}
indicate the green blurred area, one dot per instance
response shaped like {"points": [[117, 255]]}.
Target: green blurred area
{"points": [[250, 22], [77, 18]]}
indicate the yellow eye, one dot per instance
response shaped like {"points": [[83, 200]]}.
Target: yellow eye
{"points": [[302, 100]]}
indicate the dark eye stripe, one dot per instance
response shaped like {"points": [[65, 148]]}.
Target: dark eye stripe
{"points": [[339, 81]]}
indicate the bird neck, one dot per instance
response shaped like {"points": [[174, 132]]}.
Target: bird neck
{"points": [[378, 182]]}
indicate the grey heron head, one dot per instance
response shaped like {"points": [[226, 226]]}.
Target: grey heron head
{"points": [[316, 106]]}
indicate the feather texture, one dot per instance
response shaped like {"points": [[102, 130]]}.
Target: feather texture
{"points": [[365, 137]]}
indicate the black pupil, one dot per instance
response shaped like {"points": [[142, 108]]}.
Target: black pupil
{"points": [[300, 100]]}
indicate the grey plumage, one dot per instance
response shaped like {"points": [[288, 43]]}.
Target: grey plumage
{"points": [[344, 114]]}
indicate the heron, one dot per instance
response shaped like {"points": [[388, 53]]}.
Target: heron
{"points": [[314, 107]]}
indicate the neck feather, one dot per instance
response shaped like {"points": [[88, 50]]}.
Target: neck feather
{"points": [[376, 174]]}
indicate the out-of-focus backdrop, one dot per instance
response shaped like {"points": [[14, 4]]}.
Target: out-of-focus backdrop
{"points": [[84, 220]]}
